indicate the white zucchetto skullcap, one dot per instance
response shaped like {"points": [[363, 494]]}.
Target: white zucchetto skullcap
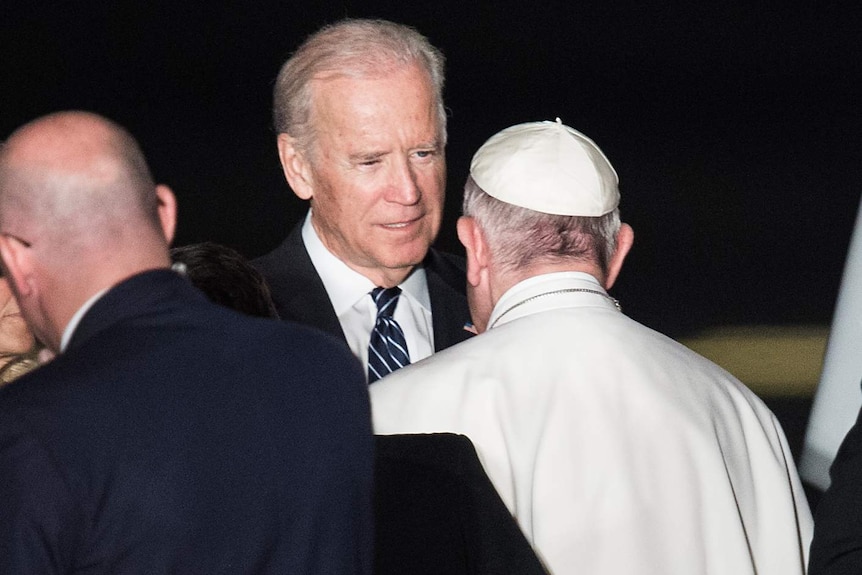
{"points": [[547, 167]]}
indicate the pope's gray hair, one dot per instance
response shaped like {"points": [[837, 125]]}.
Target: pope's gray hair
{"points": [[519, 237]]}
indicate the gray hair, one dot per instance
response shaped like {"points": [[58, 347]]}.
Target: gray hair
{"points": [[353, 48], [520, 237]]}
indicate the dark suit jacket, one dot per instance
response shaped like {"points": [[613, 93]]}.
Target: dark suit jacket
{"points": [[177, 436], [437, 513], [837, 544], [300, 296]]}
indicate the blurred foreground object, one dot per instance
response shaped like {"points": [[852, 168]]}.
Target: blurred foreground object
{"points": [[837, 400]]}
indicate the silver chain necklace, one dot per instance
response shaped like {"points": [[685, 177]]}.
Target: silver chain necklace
{"points": [[567, 290]]}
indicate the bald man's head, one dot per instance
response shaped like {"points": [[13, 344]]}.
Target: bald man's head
{"points": [[77, 201], [74, 176]]}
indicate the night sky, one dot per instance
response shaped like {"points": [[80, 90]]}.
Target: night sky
{"points": [[735, 129]]}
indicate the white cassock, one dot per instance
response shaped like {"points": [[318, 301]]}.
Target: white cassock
{"points": [[618, 450]]}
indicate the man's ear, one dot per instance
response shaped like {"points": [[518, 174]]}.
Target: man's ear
{"points": [[18, 265], [167, 206], [473, 238], [296, 167], [625, 239]]}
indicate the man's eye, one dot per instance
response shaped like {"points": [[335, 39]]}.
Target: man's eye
{"points": [[425, 153]]}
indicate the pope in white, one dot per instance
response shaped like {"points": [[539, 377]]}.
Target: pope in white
{"points": [[618, 450]]}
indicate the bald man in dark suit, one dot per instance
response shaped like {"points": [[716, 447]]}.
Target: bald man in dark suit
{"points": [[169, 435]]}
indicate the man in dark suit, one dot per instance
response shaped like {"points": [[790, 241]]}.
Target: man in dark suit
{"points": [[168, 435], [836, 548], [436, 512], [361, 135]]}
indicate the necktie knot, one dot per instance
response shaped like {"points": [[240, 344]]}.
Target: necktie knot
{"points": [[385, 299]]}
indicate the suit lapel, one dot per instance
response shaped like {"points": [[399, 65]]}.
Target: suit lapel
{"points": [[449, 309], [297, 290]]}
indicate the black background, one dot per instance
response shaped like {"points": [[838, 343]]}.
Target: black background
{"points": [[734, 127]]}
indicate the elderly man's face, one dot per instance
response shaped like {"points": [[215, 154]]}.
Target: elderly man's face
{"points": [[378, 171]]}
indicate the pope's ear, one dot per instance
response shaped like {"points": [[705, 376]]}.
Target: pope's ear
{"points": [[17, 264], [475, 247], [296, 167], [625, 239]]}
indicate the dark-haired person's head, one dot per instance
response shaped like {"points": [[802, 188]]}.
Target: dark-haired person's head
{"points": [[226, 278]]}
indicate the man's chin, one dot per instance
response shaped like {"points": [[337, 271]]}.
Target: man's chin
{"points": [[404, 254], [405, 261]]}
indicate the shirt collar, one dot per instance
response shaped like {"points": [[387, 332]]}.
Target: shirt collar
{"points": [[76, 319], [535, 286]]}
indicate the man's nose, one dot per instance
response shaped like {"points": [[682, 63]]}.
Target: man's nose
{"points": [[403, 185]]}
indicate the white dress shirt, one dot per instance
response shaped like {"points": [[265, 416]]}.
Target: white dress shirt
{"points": [[349, 292]]}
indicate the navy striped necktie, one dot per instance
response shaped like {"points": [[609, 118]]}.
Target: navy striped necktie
{"points": [[387, 350]]}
